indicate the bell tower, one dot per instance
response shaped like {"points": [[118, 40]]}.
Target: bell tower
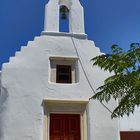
{"points": [[70, 10]]}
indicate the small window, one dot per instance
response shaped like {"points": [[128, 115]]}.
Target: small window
{"points": [[63, 74], [64, 70]]}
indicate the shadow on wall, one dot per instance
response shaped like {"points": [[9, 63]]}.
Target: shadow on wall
{"points": [[3, 97]]}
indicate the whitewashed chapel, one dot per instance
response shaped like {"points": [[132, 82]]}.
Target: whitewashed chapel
{"points": [[45, 88]]}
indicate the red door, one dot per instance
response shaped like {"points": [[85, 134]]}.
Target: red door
{"points": [[64, 127]]}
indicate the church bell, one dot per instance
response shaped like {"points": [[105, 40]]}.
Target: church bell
{"points": [[64, 12]]}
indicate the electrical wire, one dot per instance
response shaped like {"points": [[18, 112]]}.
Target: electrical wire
{"points": [[77, 52]]}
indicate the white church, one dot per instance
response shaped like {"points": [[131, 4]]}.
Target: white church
{"points": [[47, 86]]}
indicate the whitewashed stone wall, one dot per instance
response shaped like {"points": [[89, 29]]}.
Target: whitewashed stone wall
{"points": [[25, 83], [132, 122]]}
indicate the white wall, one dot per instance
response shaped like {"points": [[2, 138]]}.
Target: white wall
{"points": [[132, 122], [26, 80]]}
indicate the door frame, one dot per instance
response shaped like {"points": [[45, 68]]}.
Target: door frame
{"points": [[65, 107]]}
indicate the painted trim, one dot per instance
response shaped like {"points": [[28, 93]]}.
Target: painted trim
{"points": [[58, 57], [76, 35], [53, 100]]}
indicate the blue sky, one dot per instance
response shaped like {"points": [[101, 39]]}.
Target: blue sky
{"points": [[106, 22]]}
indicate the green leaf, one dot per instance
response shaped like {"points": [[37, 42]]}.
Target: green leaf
{"points": [[124, 85]]}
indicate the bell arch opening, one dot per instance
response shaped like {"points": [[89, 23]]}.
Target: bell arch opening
{"points": [[63, 19]]}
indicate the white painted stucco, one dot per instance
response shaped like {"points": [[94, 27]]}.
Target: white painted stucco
{"points": [[26, 80], [132, 122]]}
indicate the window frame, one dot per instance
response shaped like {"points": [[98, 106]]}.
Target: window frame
{"points": [[63, 60]]}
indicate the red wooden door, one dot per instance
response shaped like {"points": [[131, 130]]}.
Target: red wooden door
{"points": [[65, 127]]}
